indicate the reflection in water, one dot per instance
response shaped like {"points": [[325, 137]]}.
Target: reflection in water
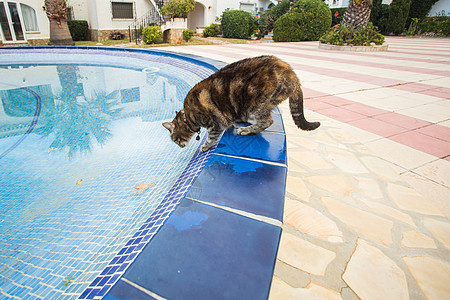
{"points": [[79, 103]]}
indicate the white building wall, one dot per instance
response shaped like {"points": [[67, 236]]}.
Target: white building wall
{"points": [[42, 20], [442, 7]]}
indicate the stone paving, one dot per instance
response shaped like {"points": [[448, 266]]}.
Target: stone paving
{"points": [[367, 197]]}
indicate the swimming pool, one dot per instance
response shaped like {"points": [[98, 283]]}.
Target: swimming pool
{"points": [[85, 162]]}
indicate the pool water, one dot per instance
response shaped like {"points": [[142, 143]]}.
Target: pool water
{"points": [[84, 160]]}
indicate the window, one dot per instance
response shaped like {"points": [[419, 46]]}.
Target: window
{"points": [[122, 10], [29, 18], [248, 7]]}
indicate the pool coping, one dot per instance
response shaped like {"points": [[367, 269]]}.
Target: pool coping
{"points": [[127, 255]]}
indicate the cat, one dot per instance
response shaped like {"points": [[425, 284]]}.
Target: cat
{"points": [[244, 90]]}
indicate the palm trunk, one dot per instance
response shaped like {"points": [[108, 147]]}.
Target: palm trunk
{"points": [[57, 15], [59, 33], [357, 15]]}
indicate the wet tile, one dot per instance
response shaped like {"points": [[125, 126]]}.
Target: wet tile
{"points": [[431, 274], [208, 253], [242, 184], [124, 291], [373, 275], [265, 145]]}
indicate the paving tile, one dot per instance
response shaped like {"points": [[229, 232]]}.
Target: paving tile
{"points": [[345, 161], [365, 109], [194, 251], [242, 184], [424, 143], [376, 228], [265, 145], [439, 229], [415, 239], [282, 290], [438, 171], [341, 114], [408, 199], [389, 212], [373, 275], [431, 274], [304, 255], [369, 187], [310, 221], [337, 184], [402, 120], [296, 186], [378, 127]]}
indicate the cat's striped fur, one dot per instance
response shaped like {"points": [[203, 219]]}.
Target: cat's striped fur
{"points": [[240, 92]]}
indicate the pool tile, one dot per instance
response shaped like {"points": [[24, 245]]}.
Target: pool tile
{"points": [[242, 184], [204, 252], [123, 290], [265, 145]]}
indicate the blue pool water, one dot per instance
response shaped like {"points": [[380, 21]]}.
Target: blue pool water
{"points": [[85, 165]]}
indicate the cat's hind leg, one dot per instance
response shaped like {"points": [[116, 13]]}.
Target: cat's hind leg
{"points": [[263, 121]]}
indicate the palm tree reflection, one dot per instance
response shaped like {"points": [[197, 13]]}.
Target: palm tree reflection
{"points": [[78, 121]]}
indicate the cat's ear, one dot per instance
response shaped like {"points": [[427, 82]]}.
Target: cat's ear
{"points": [[169, 126]]}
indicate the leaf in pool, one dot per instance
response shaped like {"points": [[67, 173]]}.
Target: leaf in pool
{"points": [[79, 181], [143, 186]]}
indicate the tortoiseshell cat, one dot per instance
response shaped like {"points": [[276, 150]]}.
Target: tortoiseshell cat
{"points": [[245, 90]]}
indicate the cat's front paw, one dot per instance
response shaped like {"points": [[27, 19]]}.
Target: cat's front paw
{"points": [[244, 131], [205, 147]]}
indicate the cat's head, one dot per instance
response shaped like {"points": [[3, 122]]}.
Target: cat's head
{"points": [[180, 133]]}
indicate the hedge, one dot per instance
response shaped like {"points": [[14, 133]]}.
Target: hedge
{"points": [[78, 29], [307, 21], [237, 24]]}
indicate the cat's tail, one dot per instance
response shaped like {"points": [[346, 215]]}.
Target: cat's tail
{"points": [[296, 107]]}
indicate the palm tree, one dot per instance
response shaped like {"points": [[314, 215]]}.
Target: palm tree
{"points": [[57, 14], [357, 14]]}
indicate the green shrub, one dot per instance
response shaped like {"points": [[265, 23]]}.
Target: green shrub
{"points": [[78, 29], [380, 15], [211, 30], [307, 21], [269, 17], [188, 34], [178, 8], [287, 28], [437, 25], [344, 35], [237, 24], [151, 34], [398, 14]]}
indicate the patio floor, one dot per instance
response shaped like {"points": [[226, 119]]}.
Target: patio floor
{"points": [[367, 199]]}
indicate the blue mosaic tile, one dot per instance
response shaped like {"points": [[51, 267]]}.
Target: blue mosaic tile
{"points": [[204, 252], [264, 146], [242, 184]]}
